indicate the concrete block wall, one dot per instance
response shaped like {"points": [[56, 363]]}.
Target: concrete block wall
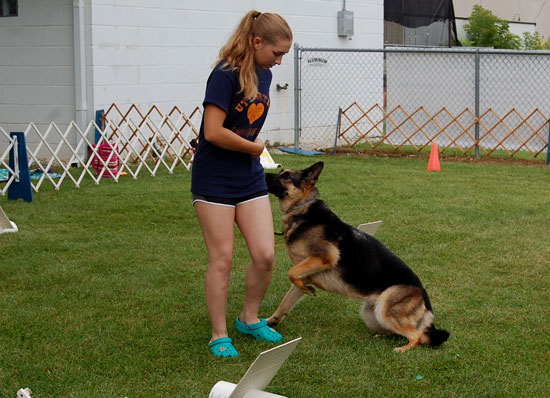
{"points": [[37, 66], [152, 53], [161, 53]]}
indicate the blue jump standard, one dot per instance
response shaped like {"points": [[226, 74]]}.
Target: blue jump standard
{"points": [[22, 188]]}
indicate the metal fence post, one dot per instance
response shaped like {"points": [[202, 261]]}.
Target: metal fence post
{"points": [[338, 123], [548, 145], [297, 93], [476, 132]]}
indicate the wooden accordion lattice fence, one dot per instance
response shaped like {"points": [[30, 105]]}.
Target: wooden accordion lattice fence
{"points": [[153, 135], [511, 132], [125, 143]]}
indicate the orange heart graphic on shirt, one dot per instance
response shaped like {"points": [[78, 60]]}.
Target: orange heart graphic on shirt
{"points": [[255, 111]]}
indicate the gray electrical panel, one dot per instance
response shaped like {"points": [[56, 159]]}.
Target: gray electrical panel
{"points": [[345, 23]]}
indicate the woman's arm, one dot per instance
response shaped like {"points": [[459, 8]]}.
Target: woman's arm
{"points": [[215, 133]]}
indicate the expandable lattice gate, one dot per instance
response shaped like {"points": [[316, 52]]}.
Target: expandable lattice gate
{"points": [[12, 172], [511, 132], [135, 141], [153, 136]]}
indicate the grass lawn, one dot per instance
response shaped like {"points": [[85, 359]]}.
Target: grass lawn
{"points": [[101, 290]]}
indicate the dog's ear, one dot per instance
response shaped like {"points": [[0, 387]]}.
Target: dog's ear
{"points": [[311, 174]]}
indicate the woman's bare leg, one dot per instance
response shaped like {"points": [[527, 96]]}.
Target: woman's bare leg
{"points": [[217, 224], [255, 222]]}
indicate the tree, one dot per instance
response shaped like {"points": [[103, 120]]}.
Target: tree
{"points": [[487, 30], [535, 42]]}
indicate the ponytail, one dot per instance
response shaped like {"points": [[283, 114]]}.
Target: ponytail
{"points": [[238, 52]]}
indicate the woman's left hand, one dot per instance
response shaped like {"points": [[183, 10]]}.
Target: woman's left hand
{"points": [[261, 146]]}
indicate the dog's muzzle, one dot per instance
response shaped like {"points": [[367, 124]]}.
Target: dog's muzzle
{"points": [[274, 185]]}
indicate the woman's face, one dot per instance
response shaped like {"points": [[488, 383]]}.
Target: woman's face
{"points": [[267, 55]]}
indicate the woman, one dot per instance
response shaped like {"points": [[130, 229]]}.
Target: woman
{"points": [[228, 182]]}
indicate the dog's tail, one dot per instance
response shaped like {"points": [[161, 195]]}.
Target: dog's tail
{"points": [[436, 337]]}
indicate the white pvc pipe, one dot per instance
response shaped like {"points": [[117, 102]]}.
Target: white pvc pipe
{"points": [[79, 26]]}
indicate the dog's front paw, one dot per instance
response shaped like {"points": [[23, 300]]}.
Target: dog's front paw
{"points": [[272, 321]]}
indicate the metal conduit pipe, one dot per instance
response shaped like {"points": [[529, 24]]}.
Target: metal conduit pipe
{"points": [[80, 83]]}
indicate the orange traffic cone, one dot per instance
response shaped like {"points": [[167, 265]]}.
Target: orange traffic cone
{"points": [[433, 164]]}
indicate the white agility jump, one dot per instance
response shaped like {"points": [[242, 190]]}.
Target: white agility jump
{"points": [[258, 375], [5, 224]]}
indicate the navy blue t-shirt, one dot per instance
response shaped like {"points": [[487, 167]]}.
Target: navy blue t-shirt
{"points": [[221, 172]]}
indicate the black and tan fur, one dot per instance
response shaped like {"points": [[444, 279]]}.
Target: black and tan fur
{"points": [[333, 256]]}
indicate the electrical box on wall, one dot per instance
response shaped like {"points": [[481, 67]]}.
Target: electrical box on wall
{"points": [[345, 23]]}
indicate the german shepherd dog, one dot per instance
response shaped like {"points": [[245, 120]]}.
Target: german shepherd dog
{"points": [[333, 256]]}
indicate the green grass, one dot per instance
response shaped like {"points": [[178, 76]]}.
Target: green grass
{"points": [[486, 154], [101, 290]]}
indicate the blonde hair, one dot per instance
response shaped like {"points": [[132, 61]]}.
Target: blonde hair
{"points": [[238, 52]]}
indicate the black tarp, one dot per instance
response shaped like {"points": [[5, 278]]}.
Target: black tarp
{"points": [[422, 13]]}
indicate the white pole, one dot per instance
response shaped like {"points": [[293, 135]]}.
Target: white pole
{"points": [[79, 27]]}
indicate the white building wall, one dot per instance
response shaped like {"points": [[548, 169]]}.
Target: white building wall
{"points": [[148, 53], [161, 53], [37, 65]]}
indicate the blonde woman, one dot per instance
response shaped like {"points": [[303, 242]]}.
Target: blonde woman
{"points": [[228, 182]]}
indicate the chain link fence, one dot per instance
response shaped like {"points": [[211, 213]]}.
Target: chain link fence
{"points": [[473, 99], [328, 80]]}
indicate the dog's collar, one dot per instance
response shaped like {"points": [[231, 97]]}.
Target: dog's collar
{"points": [[303, 204]]}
